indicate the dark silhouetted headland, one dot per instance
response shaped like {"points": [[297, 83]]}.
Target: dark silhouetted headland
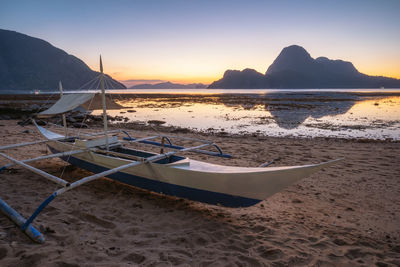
{"points": [[28, 63], [168, 85], [294, 68]]}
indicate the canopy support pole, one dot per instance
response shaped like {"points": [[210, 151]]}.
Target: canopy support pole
{"points": [[103, 100], [63, 115]]}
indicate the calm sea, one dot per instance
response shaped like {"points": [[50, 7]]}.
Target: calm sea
{"points": [[345, 113]]}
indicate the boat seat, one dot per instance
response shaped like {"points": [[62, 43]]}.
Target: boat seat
{"points": [[112, 140]]}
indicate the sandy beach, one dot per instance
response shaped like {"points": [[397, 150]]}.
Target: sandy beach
{"points": [[346, 215], [269, 131]]}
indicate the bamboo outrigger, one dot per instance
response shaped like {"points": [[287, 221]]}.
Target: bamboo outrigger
{"points": [[106, 155]]}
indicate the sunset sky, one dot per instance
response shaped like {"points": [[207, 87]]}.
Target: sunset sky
{"points": [[196, 41]]}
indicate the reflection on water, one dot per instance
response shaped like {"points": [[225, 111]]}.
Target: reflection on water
{"points": [[307, 114]]}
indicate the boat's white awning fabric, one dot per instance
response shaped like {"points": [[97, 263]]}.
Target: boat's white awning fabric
{"points": [[96, 103], [66, 103], [69, 102]]}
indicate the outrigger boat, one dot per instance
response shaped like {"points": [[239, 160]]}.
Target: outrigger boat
{"points": [[167, 172]]}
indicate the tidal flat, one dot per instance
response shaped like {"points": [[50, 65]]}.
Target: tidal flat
{"points": [[362, 115]]}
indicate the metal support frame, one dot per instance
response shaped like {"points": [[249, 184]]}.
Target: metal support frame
{"points": [[30, 231], [26, 225], [29, 143], [61, 154], [49, 176], [100, 175]]}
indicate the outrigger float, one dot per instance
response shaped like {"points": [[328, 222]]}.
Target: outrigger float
{"points": [[107, 155]]}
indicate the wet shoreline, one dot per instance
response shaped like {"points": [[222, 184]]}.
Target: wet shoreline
{"points": [[287, 114]]}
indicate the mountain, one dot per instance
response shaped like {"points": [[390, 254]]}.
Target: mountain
{"points": [[294, 68], [247, 78], [28, 63], [168, 85]]}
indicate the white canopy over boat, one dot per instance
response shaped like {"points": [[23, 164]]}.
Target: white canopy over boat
{"points": [[68, 102]]}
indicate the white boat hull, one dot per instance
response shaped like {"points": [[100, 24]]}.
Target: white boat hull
{"points": [[196, 180]]}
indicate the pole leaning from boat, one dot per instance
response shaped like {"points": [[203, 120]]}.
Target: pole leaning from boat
{"points": [[63, 115], [103, 101]]}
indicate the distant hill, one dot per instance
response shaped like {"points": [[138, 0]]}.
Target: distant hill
{"points": [[294, 68], [28, 63], [168, 85]]}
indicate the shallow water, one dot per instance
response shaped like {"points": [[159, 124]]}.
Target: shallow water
{"points": [[308, 113]]}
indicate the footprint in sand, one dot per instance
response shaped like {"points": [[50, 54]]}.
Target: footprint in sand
{"points": [[340, 242], [356, 253], [135, 258], [31, 260], [270, 253], [93, 219]]}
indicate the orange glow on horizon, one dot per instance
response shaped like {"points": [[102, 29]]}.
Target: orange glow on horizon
{"points": [[208, 80], [389, 73], [180, 80], [186, 76], [201, 74]]}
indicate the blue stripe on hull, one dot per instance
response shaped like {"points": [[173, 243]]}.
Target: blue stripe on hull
{"points": [[166, 188]]}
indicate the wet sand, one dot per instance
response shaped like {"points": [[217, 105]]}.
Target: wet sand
{"points": [[346, 215]]}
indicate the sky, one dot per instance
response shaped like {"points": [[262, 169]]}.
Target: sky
{"points": [[189, 41]]}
